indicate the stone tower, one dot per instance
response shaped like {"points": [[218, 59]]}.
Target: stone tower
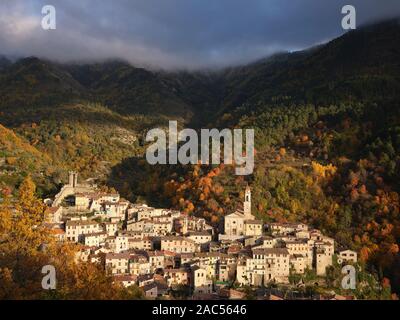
{"points": [[73, 179], [247, 203]]}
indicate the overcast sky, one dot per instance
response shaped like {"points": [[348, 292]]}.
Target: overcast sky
{"points": [[177, 33]]}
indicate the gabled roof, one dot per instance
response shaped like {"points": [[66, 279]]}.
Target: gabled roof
{"points": [[53, 210], [57, 231], [81, 223], [110, 256], [149, 287], [347, 251], [125, 277], [273, 251], [236, 214]]}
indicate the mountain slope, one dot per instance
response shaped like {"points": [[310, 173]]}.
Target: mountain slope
{"points": [[362, 64], [4, 62], [131, 90], [19, 158], [31, 82], [327, 123]]}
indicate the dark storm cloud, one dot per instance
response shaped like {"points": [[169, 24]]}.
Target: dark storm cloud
{"points": [[177, 33]]}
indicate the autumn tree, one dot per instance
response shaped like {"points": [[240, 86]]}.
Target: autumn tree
{"points": [[23, 238], [26, 245]]}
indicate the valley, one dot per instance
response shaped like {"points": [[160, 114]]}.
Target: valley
{"points": [[326, 121]]}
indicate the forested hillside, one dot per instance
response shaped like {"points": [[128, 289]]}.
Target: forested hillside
{"points": [[327, 127]]}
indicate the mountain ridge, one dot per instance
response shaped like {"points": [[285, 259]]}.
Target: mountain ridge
{"points": [[370, 50], [326, 122]]}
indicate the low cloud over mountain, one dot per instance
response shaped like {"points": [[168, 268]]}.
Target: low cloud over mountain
{"points": [[176, 33]]}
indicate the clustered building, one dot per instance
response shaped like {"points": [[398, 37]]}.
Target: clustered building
{"points": [[159, 249]]}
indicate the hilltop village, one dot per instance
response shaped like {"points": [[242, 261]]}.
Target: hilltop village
{"points": [[161, 250]]}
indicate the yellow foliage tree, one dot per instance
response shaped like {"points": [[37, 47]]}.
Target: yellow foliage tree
{"points": [[323, 172], [26, 245]]}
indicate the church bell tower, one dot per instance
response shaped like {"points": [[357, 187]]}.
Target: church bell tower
{"points": [[73, 179], [247, 203]]}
